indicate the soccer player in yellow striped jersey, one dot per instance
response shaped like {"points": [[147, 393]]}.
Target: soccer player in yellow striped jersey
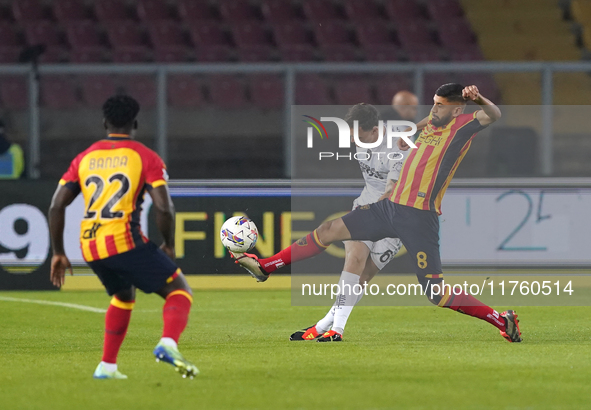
{"points": [[410, 211], [445, 138], [113, 175]]}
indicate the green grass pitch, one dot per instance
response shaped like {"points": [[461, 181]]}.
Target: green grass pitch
{"points": [[392, 357]]}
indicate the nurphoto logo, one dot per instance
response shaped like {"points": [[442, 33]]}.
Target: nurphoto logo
{"points": [[389, 129]]}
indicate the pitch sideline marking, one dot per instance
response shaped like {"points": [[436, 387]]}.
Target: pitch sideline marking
{"points": [[48, 302]]}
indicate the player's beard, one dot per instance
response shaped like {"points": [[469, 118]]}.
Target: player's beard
{"points": [[442, 121]]}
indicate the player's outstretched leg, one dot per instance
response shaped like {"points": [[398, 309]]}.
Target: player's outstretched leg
{"points": [[116, 324], [358, 260], [359, 268], [345, 301], [250, 262], [506, 322], [175, 313], [311, 245], [512, 333]]}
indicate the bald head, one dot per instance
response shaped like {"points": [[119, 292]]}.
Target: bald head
{"points": [[405, 104]]}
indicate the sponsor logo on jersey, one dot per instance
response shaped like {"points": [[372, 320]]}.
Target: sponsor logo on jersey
{"points": [[371, 171], [91, 232]]}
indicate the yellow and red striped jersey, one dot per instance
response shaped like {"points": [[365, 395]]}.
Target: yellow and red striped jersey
{"points": [[113, 175], [429, 168]]}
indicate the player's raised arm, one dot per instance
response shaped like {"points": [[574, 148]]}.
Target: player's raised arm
{"points": [[162, 203], [489, 113], [62, 197]]}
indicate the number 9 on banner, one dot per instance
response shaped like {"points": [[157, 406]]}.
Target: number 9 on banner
{"points": [[24, 238]]}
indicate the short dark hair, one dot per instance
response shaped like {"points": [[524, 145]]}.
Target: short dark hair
{"points": [[452, 92], [366, 114], [121, 110]]}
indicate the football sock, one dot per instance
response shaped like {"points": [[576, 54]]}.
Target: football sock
{"points": [[326, 322], [304, 248], [116, 324], [167, 341], [346, 300], [110, 367], [471, 306], [176, 314]]}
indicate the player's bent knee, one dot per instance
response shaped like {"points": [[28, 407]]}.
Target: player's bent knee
{"points": [[333, 230], [431, 288], [178, 284], [324, 232], [127, 295], [354, 263]]}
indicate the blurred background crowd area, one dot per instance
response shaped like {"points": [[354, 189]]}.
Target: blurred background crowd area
{"points": [[236, 120]]}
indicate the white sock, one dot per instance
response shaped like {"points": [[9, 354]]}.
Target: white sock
{"points": [[109, 367], [346, 300], [167, 341], [326, 322]]}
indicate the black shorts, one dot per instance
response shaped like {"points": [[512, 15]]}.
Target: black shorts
{"points": [[417, 229], [146, 267]]}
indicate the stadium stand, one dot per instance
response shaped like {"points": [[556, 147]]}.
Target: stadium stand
{"points": [[58, 93], [110, 10], [536, 30], [190, 10], [350, 90], [401, 11], [227, 91], [278, 11], [152, 10], [229, 30], [10, 43], [13, 92], [69, 10], [140, 31], [28, 10], [267, 91], [312, 89], [124, 27], [362, 12], [143, 88], [85, 42], [96, 90], [184, 91]]}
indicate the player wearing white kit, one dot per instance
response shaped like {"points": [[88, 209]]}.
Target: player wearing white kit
{"points": [[380, 168]]}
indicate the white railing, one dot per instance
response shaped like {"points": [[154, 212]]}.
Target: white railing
{"points": [[161, 71]]}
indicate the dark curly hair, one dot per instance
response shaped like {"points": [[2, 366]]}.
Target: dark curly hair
{"points": [[452, 92], [366, 114], [121, 110]]}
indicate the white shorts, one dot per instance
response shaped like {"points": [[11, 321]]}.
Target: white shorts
{"points": [[382, 251]]}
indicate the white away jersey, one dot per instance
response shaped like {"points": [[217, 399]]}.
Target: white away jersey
{"points": [[378, 165]]}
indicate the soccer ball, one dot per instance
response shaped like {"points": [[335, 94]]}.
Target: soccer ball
{"points": [[239, 234]]}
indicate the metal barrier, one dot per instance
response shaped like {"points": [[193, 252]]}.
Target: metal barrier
{"points": [[547, 69]]}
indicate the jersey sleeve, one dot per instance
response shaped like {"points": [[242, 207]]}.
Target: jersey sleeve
{"points": [[477, 123], [155, 171], [470, 122], [71, 179]]}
